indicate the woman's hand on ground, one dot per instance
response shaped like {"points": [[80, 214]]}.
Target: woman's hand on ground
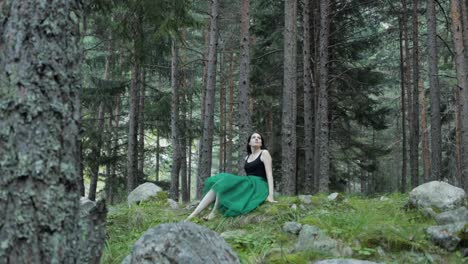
{"points": [[271, 199]]}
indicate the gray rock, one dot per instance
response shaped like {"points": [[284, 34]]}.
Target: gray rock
{"points": [[452, 216], [445, 236], [292, 227], [333, 196], [183, 242], [173, 204], [428, 212], [305, 199], [143, 192], [384, 199], [312, 238], [344, 261], [437, 194], [294, 207]]}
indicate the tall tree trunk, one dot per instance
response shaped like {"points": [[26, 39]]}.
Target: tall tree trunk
{"points": [[426, 157], [204, 167], [462, 78], [243, 98], [185, 192], [96, 148], [96, 154], [403, 112], [115, 150], [39, 195], [322, 161], [79, 161], [414, 160], [409, 92], [230, 130], [158, 150], [222, 118], [436, 127], [458, 144], [175, 133], [132, 154], [308, 103], [288, 128], [189, 136], [141, 128]]}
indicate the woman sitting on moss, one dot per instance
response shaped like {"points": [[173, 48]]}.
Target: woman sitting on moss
{"points": [[235, 195]]}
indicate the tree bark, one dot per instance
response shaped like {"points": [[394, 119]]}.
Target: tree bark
{"points": [[185, 141], [308, 103], [96, 153], [288, 128], [141, 128], [204, 167], [229, 147], [132, 154], [458, 144], [436, 127], [222, 118], [426, 157], [40, 61], [175, 133], [414, 160], [462, 78], [322, 161], [403, 111], [243, 98], [409, 92]]}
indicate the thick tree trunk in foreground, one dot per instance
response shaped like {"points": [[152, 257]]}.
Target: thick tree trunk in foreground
{"points": [[206, 144], [39, 123]]}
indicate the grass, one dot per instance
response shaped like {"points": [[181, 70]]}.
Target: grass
{"points": [[375, 230]]}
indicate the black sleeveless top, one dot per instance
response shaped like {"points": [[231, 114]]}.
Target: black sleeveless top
{"points": [[255, 168]]}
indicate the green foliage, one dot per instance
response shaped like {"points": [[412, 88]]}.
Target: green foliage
{"points": [[368, 225]]}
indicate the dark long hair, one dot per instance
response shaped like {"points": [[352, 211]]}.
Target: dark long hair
{"points": [[249, 151]]}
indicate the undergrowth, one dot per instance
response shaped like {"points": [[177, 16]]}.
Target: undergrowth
{"points": [[375, 229]]}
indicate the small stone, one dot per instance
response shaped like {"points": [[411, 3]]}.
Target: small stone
{"points": [[305, 199], [292, 227], [173, 204], [294, 207]]}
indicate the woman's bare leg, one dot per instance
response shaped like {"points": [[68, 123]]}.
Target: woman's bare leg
{"points": [[213, 211], [205, 202]]}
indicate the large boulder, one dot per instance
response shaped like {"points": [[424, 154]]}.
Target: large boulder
{"points": [[312, 238], [143, 192], [446, 236], [183, 242], [452, 216], [437, 194]]}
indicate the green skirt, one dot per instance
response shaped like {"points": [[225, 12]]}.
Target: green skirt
{"points": [[237, 194]]}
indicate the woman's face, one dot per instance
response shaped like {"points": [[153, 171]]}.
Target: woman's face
{"points": [[255, 140]]}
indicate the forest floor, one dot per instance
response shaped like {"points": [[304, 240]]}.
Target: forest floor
{"points": [[376, 229]]}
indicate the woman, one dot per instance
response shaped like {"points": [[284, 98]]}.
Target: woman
{"points": [[234, 195]]}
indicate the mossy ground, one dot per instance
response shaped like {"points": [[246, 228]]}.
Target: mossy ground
{"points": [[376, 230]]}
